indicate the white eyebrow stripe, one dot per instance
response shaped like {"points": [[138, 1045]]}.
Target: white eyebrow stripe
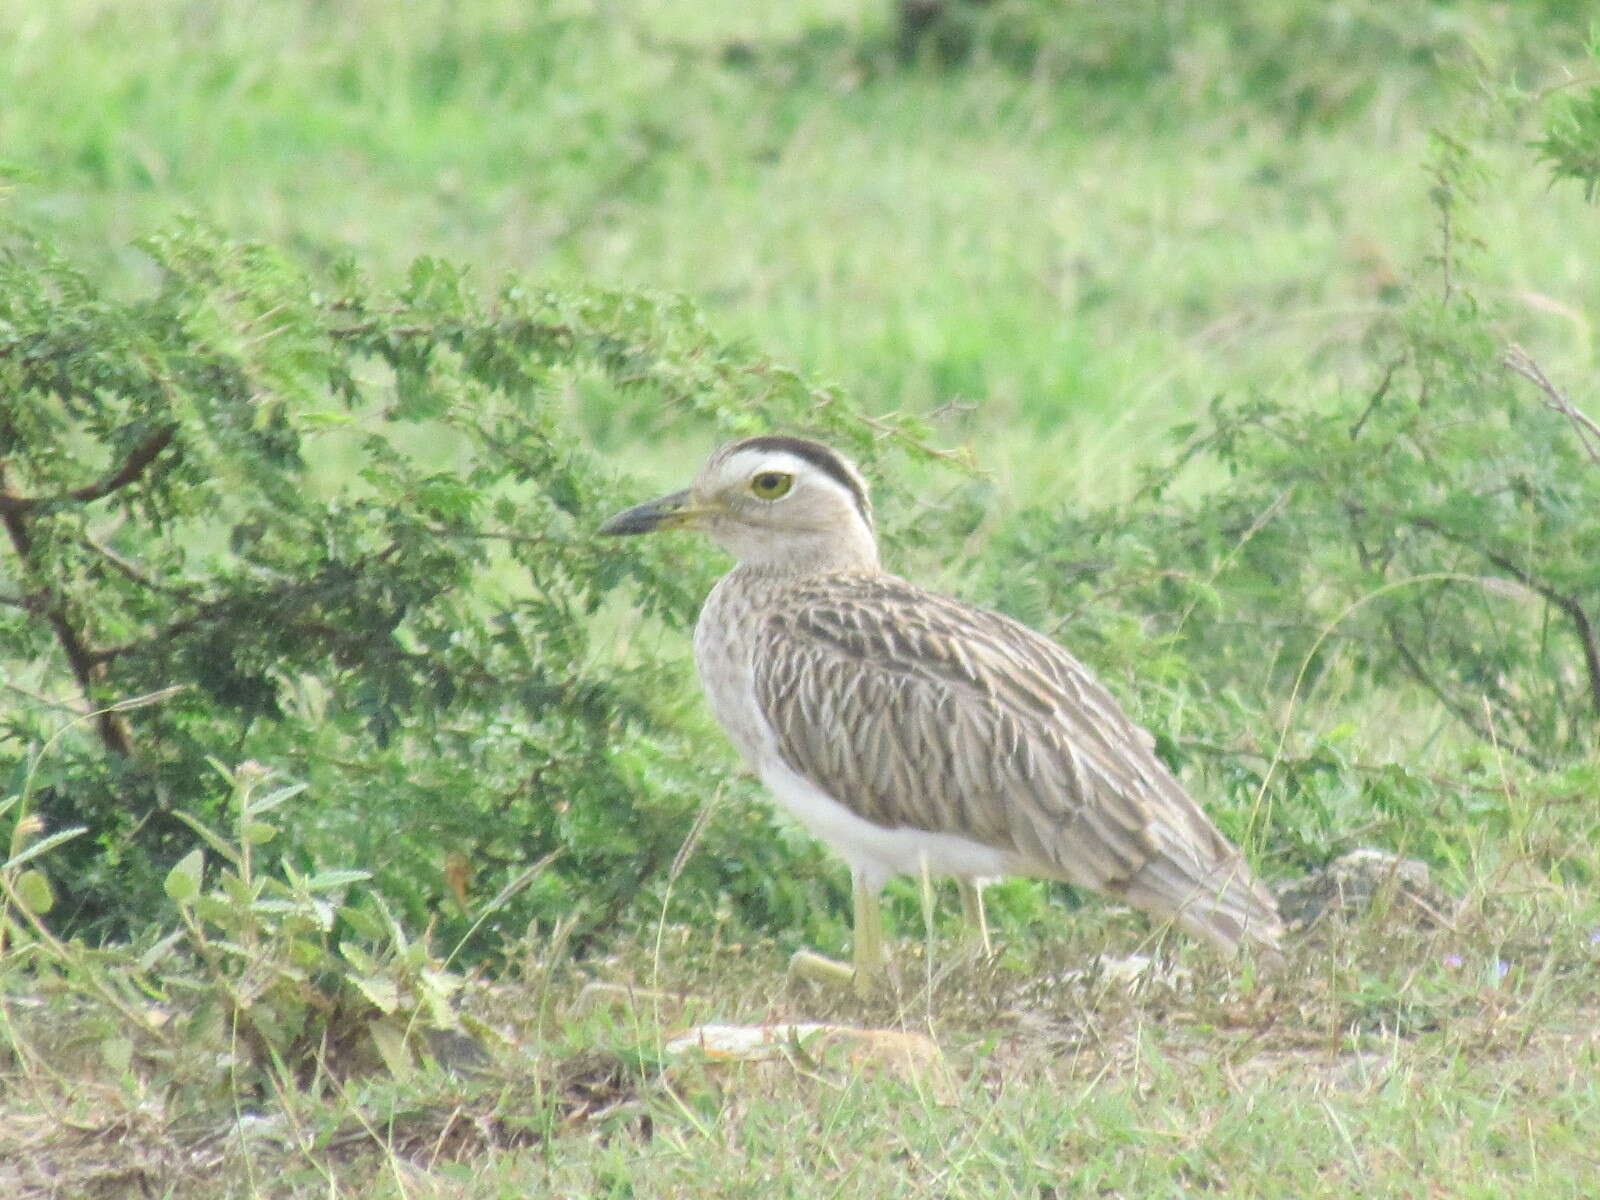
{"points": [[753, 462], [749, 463]]}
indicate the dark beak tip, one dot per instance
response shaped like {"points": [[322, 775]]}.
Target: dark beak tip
{"points": [[642, 518], [622, 525]]}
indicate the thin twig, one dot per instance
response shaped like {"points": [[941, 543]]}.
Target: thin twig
{"points": [[1376, 399], [493, 535], [1582, 625], [87, 669], [1586, 427], [1413, 665], [133, 571], [1316, 760], [40, 698]]}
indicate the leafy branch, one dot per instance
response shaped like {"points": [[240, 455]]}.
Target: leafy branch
{"points": [[132, 467]]}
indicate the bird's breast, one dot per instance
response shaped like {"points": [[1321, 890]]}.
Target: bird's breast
{"points": [[724, 644]]}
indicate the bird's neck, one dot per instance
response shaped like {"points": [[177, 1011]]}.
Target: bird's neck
{"points": [[848, 545], [821, 555]]}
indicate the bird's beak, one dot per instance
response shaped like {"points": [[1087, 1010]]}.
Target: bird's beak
{"points": [[676, 511]]}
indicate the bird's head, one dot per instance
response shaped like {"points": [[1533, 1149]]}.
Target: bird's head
{"points": [[772, 501]]}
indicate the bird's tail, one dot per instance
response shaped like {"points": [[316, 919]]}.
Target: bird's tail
{"points": [[1217, 901]]}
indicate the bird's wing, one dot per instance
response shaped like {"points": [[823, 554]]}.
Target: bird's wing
{"points": [[918, 711]]}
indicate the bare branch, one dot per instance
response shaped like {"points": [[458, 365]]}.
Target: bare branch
{"points": [[1586, 427]]}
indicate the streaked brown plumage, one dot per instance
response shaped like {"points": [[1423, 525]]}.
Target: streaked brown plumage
{"points": [[912, 730]]}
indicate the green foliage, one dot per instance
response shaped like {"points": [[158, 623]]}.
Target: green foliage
{"points": [[1073, 255], [1426, 541], [1571, 142], [347, 529], [268, 980]]}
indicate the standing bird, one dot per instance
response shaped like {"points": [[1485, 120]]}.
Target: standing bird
{"points": [[916, 734]]}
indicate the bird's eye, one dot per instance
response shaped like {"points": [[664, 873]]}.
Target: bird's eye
{"points": [[770, 485]]}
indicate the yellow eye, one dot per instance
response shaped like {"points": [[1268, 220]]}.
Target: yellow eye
{"points": [[770, 485]]}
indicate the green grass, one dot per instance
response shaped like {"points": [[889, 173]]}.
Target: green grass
{"points": [[1385, 1059], [1065, 261]]}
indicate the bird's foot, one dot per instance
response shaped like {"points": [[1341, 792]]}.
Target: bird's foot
{"points": [[826, 971]]}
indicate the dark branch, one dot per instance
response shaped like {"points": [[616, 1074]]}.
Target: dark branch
{"points": [[1461, 713], [132, 467], [81, 657], [1582, 624]]}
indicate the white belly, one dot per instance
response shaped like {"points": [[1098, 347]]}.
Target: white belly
{"points": [[873, 852]]}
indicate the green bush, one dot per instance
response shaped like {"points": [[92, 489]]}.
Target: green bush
{"points": [[1424, 546], [353, 528]]}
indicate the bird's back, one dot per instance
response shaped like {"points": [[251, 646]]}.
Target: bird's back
{"points": [[917, 712]]}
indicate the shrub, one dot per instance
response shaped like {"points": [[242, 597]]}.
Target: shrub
{"points": [[353, 529], [1425, 543]]}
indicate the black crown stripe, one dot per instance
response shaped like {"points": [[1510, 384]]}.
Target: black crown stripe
{"points": [[824, 458]]}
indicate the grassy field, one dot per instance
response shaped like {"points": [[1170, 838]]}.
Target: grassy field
{"points": [[1059, 247]]}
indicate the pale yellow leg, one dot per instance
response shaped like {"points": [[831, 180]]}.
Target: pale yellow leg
{"points": [[868, 960], [869, 957], [925, 879], [972, 910]]}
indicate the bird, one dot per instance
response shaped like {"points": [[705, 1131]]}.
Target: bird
{"points": [[917, 734]]}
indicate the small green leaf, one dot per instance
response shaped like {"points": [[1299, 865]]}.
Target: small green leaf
{"points": [[363, 922], [390, 1038], [324, 881], [211, 838], [117, 1053], [183, 881], [34, 890], [260, 833], [274, 798], [381, 991], [357, 957], [42, 846], [437, 988], [153, 956], [212, 907]]}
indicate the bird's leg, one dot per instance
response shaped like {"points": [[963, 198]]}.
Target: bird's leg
{"points": [[972, 910], [868, 961], [925, 878], [868, 951]]}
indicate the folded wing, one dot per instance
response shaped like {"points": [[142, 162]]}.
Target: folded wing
{"points": [[917, 711]]}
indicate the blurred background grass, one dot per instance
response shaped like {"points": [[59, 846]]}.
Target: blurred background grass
{"points": [[1092, 223]]}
